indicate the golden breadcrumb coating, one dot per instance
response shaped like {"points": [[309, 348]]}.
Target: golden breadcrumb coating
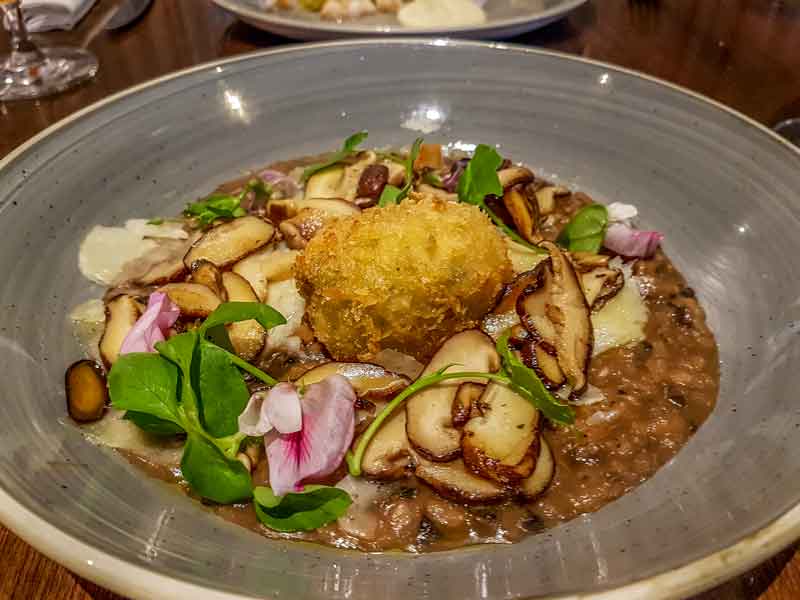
{"points": [[405, 277]]}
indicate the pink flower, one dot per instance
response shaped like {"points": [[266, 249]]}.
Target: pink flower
{"points": [[629, 242], [317, 446], [279, 408], [152, 326]]}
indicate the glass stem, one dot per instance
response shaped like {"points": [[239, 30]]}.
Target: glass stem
{"points": [[25, 54]]}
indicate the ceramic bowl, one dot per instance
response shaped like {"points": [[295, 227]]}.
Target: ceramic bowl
{"points": [[722, 188]]}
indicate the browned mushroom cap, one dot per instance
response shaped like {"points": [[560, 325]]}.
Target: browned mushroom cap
{"points": [[454, 481], [600, 282], [326, 183], [264, 266], [512, 291], [388, 453], [555, 312], [230, 242], [247, 337], [465, 402], [193, 299], [207, 274], [87, 393], [542, 475], [368, 380], [524, 213], [430, 425], [302, 227], [515, 176], [546, 198], [502, 442], [122, 312]]}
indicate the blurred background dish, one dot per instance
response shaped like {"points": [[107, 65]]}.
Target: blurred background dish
{"points": [[504, 19], [685, 160]]}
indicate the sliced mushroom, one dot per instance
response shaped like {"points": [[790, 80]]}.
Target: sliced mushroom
{"points": [[298, 230], [122, 312], [600, 285], [332, 207], [465, 402], [524, 213], [193, 299], [325, 183], [430, 423], [230, 242], [512, 291], [388, 454], [515, 176], [247, 337], [348, 188], [546, 198], [264, 266], [368, 380], [429, 190], [429, 157], [87, 392], [163, 272], [555, 312], [206, 273], [454, 481], [538, 481], [501, 443]]}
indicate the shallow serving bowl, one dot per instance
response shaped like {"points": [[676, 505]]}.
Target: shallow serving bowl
{"points": [[723, 190]]}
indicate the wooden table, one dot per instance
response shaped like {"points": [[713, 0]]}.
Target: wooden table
{"points": [[743, 53]]}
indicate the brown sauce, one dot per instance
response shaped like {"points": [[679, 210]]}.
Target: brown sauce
{"points": [[657, 393]]}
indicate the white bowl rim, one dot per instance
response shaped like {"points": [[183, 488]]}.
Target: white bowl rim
{"points": [[137, 582], [252, 14]]}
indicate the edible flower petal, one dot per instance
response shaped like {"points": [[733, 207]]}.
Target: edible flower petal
{"points": [[629, 242], [450, 182], [619, 212], [281, 182], [152, 326], [319, 447], [279, 408]]}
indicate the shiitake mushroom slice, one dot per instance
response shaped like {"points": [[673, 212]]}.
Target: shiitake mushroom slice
{"points": [[247, 337], [194, 300], [542, 474], [206, 273], [87, 392], [230, 242], [430, 425], [501, 443], [122, 312]]}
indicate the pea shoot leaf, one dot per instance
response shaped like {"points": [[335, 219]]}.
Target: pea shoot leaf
{"points": [[145, 383], [220, 389], [212, 475], [349, 148], [315, 506], [233, 312], [526, 383], [395, 195], [480, 177], [586, 230]]}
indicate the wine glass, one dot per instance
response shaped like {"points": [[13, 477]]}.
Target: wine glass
{"points": [[789, 129], [33, 72]]}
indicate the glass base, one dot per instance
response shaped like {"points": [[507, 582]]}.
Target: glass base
{"points": [[790, 130], [61, 69]]}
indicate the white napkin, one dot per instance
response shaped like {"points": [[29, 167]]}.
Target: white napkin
{"points": [[46, 15]]}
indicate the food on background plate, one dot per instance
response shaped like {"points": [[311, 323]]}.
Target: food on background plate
{"points": [[392, 349], [411, 13]]}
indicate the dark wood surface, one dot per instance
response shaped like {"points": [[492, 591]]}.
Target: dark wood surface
{"points": [[743, 53]]}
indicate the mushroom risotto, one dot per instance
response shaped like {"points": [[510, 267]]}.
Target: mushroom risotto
{"points": [[378, 350]]}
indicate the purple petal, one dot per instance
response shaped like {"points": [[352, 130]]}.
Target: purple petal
{"points": [[152, 326], [282, 408], [450, 182], [630, 242], [253, 421], [319, 447], [281, 182]]}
